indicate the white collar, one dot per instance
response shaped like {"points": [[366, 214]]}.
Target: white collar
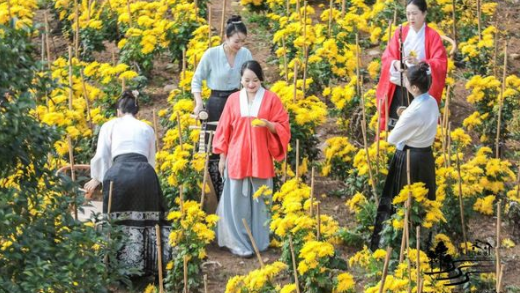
{"points": [[413, 33], [245, 110]]}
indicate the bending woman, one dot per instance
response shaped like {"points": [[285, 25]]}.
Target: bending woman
{"points": [[246, 160], [415, 131], [420, 43], [125, 156], [220, 67]]}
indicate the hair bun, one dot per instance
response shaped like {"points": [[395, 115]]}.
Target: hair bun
{"points": [[424, 67], [234, 19]]}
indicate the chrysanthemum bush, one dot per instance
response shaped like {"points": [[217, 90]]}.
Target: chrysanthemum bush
{"points": [[192, 231], [42, 247]]}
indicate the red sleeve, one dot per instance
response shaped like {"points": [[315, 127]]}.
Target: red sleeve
{"points": [[384, 87], [222, 135], [277, 142], [437, 59]]}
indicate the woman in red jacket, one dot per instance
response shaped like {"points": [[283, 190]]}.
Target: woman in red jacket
{"points": [[419, 43]]}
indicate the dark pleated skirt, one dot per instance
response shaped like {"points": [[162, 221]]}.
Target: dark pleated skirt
{"points": [[422, 169], [215, 107], [137, 206]]}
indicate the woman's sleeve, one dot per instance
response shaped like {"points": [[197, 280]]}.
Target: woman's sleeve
{"points": [[277, 142], [201, 73], [151, 149], [224, 129], [438, 62], [406, 127], [100, 164]]}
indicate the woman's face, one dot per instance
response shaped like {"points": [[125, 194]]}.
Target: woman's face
{"points": [[415, 16], [236, 41], [250, 81]]}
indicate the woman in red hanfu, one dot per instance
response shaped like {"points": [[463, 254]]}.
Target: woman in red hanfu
{"points": [[252, 131], [419, 43]]}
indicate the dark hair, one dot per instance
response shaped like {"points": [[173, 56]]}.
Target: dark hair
{"points": [[235, 25], [128, 103], [420, 76], [253, 66], [421, 4]]}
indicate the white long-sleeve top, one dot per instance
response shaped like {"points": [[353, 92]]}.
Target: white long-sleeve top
{"points": [[417, 125], [215, 69], [414, 42], [118, 136]]}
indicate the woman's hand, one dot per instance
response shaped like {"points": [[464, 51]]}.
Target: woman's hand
{"points": [[412, 60], [199, 105], [90, 187], [269, 125], [222, 165]]}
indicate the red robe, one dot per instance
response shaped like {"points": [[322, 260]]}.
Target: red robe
{"points": [[435, 57], [250, 150]]}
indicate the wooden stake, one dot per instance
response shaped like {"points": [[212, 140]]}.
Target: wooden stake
{"points": [[305, 49], [365, 143], [385, 268], [70, 79], [389, 33], [288, 8], [222, 21], [297, 171], [253, 243], [479, 20], [109, 208], [285, 67], [497, 246], [331, 7], [209, 24], [405, 241], [205, 176], [295, 80], [47, 43], [461, 206], [343, 7], [295, 272], [205, 283], [387, 108], [76, 35], [179, 127], [501, 104], [123, 85], [500, 278], [318, 216], [298, 9], [181, 199], [185, 274], [311, 208], [449, 143], [284, 178], [454, 19], [114, 58], [421, 285], [156, 130], [159, 257], [418, 248]]}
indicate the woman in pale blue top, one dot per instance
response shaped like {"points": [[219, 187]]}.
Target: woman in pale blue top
{"points": [[220, 67], [414, 131]]}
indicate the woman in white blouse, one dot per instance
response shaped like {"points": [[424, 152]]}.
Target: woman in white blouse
{"points": [[415, 131], [125, 157], [220, 67]]}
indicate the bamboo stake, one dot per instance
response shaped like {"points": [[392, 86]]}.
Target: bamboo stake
{"points": [[479, 20], [185, 266], [222, 21], [387, 108], [405, 240], [284, 179], [295, 272], [298, 9], [123, 85], [85, 94], [43, 52], [385, 268], [205, 176], [501, 104], [318, 215], [287, 8], [461, 205], [331, 7], [179, 127], [285, 66], [449, 143], [518, 184], [159, 257], [445, 119], [454, 19], [253, 243], [395, 14], [156, 130], [343, 7], [9, 10], [500, 278], [305, 48], [181, 199], [365, 143], [129, 13], [295, 80], [421, 285], [47, 43], [114, 58], [76, 35], [311, 208], [418, 248], [70, 78], [209, 24], [497, 246], [109, 207], [389, 32], [297, 171], [495, 49], [205, 283]]}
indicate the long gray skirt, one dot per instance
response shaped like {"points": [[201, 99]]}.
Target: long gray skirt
{"points": [[237, 203]]}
